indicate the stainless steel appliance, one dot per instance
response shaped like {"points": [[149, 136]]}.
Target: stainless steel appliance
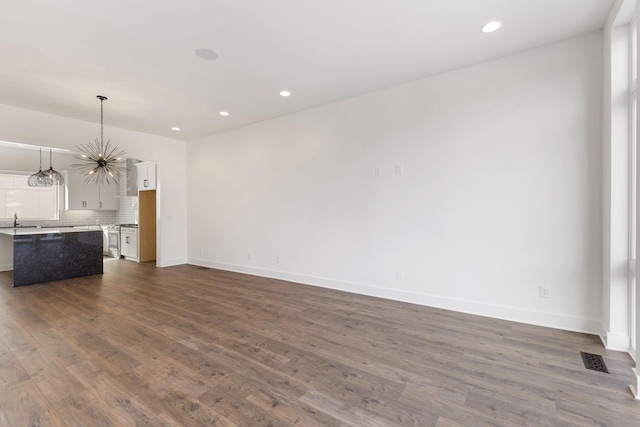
{"points": [[132, 177], [111, 242]]}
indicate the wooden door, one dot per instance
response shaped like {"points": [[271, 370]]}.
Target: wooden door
{"points": [[147, 226]]}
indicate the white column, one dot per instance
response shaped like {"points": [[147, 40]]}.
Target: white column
{"points": [[635, 380], [616, 233]]}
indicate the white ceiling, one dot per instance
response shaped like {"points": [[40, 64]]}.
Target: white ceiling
{"points": [[56, 56]]}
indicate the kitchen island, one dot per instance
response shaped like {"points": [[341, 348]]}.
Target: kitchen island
{"points": [[47, 254]]}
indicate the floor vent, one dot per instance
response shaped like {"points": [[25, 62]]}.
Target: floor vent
{"points": [[595, 362]]}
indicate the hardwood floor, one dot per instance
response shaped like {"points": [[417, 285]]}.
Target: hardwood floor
{"points": [[188, 346]]}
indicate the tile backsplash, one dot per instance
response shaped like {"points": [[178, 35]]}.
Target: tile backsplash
{"points": [[128, 212], [71, 218]]}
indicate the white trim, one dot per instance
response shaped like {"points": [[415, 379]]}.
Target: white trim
{"points": [[531, 317], [635, 383], [6, 267], [171, 262], [617, 342], [621, 13]]}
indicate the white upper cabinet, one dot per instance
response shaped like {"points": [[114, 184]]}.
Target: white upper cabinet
{"points": [[77, 196], [46, 204], [3, 204], [146, 176], [82, 196], [109, 197], [16, 197]]}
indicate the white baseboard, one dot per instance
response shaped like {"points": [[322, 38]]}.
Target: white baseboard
{"points": [[538, 318], [6, 267], [172, 262], [635, 383], [616, 342]]}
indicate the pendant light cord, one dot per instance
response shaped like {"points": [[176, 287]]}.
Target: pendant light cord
{"points": [[101, 124], [102, 99]]}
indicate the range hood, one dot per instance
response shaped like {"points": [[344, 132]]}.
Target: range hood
{"points": [[132, 177]]}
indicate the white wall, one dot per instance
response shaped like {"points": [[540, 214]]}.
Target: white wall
{"points": [[32, 127], [500, 191]]}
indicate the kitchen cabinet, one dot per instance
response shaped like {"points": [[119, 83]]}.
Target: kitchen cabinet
{"points": [[91, 196], [46, 204], [129, 242], [146, 176], [4, 212], [79, 195], [109, 197], [48, 254], [16, 197]]}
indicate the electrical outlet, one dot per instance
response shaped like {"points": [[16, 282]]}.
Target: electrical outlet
{"points": [[400, 274], [399, 169], [544, 292], [377, 170], [277, 259], [249, 256], [201, 250]]}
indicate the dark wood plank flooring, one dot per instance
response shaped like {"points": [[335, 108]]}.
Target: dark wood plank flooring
{"points": [[189, 346]]}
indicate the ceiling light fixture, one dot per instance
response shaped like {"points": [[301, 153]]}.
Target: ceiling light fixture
{"points": [[491, 27], [39, 179], [285, 93], [224, 113], [175, 128], [55, 176], [101, 161]]}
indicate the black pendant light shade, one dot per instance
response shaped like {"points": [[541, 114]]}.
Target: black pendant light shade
{"points": [[101, 162], [40, 179], [55, 177]]}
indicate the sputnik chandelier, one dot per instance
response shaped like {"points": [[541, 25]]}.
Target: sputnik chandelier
{"points": [[101, 162]]}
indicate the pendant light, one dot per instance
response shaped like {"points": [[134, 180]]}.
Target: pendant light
{"points": [[55, 176], [101, 162], [39, 179]]}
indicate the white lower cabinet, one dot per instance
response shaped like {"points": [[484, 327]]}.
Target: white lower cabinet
{"points": [[129, 242]]}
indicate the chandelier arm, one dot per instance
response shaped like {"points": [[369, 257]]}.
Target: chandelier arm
{"points": [[100, 162]]}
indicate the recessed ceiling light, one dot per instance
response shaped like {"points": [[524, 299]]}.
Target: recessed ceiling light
{"points": [[224, 113], [491, 27], [285, 93], [206, 54], [175, 128]]}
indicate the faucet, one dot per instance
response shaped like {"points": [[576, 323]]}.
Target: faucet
{"points": [[15, 220]]}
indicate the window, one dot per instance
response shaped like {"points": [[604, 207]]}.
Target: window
{"points": [[29, 203]]}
